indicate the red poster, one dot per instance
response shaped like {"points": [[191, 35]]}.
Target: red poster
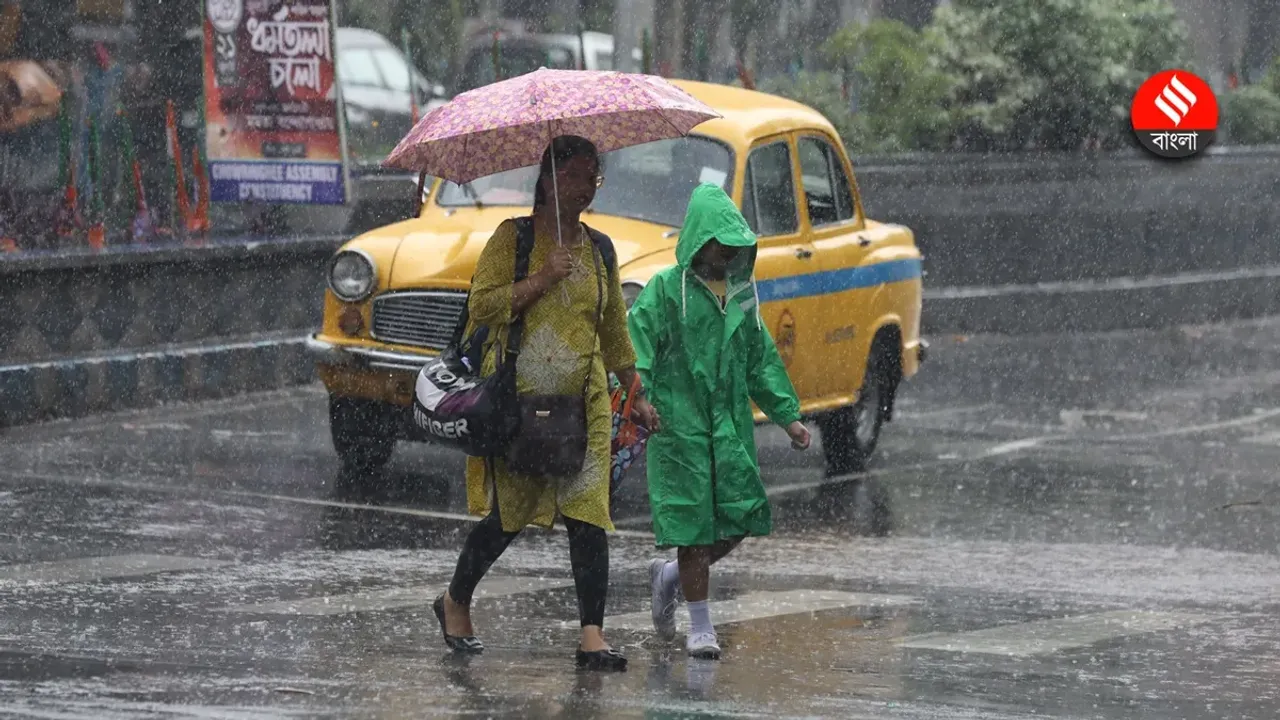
{"points": [[273, 130]]}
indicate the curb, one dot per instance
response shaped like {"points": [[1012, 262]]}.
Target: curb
{"points": [[78, 387]]}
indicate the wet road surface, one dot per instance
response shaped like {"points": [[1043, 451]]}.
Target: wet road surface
{"points": [[1059, 526]]}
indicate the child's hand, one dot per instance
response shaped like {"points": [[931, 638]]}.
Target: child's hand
{"points": [[646, 415], [800, 437]]}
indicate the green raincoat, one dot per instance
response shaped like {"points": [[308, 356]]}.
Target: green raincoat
{"points": [[703, 364]]}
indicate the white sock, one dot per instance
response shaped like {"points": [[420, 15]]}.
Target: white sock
{"points": [[700, 618], [671, 575]]}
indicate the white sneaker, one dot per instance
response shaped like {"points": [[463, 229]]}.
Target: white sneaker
{"points": [[665, 602], [703, 646]]}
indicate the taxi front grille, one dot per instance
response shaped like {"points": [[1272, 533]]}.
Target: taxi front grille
{"points": [[422, 319]]}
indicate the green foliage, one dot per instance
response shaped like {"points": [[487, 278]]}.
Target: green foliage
{"points": [[993, 74], [822, 92], [1050, 74], [1272, 79], [1252, 115], [899, 92]]}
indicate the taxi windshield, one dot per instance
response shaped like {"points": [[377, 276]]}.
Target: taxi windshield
{"points": [[650, 182]]}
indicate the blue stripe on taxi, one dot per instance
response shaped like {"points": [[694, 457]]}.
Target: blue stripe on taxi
{"points": [[834, 281]]}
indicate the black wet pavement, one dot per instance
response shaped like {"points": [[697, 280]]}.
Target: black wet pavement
{"points": [[1076, 526]]}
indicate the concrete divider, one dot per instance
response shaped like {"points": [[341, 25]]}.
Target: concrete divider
{"points": [[1030, 243], [1014, 244]]}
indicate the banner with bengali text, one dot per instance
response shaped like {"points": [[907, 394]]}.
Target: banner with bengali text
{"points": [[273, 115]]}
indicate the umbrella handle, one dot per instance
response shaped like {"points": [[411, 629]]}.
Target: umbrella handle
{"points": [[555, 190]]}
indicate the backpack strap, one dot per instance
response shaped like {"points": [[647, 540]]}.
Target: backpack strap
{"points": [[605, 244], [524, 249]]}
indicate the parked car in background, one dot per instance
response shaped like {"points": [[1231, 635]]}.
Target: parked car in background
{"points": [[378, 86], [521, 53], [840, 292]]}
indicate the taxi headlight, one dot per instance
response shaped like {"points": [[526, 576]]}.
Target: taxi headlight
{"points": [[351, 275], [630, 291]]}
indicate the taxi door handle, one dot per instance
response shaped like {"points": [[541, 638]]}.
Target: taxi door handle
{"points": [[804, 253], [863, 240]]}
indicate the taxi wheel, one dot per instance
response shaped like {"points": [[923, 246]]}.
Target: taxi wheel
{"points": [[361, 433], [850, 434]]}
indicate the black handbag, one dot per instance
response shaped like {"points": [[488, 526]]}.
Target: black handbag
{"points": [[552, 437], [453, 403]]}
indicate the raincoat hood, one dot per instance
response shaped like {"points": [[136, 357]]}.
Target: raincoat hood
{"points": [[712, 214]]}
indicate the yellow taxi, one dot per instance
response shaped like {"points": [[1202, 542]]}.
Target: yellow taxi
{"points": [[840, 292]]}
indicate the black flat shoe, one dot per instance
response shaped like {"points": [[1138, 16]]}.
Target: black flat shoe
{"points": [[601, 660], [469, 644]]}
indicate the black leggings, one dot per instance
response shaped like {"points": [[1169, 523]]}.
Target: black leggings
{"points": [[588, 553]]}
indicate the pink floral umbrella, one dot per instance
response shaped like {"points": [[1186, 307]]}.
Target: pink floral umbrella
{"points": [[509, 124]]}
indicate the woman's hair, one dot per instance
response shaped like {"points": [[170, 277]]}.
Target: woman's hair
{"points": [[565, 147]]}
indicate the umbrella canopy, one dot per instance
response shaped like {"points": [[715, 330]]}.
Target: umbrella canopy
{"points": [[509, 124]]}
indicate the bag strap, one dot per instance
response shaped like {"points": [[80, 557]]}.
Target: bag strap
{"points": [[525, 239], [607, 251], [595, 259]]}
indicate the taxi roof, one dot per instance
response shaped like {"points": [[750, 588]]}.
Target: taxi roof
{"points": [[750, 115]]}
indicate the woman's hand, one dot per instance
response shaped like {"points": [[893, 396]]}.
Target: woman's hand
{"points": [[799, 435], [558, 266], [645, 414]]}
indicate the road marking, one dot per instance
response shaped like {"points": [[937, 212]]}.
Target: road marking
{"points": [[944, 412], [100, 568], [1269, 438], [1079, 419], [1048, 636], [1255, 418], [1107, 285], [183, 490], [1012, 447], [760, 605], [391, 599]]}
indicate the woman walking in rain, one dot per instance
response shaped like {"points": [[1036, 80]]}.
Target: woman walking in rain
{"points": [[572, 336], [705, 355]]}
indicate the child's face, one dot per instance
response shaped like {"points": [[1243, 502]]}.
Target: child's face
{"points": [[713, 260]]}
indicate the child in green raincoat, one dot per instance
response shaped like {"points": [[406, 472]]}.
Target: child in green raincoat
{"points": [[704, 355]]}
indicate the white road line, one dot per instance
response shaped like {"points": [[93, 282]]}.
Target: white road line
{"points": [[1047, 636], [1268, 438], [393, 510], [178, 490], [393, 598], [943, 412], [1105, 285], [1254, 419], [760, 605], [100, 568], [1012, 447]]}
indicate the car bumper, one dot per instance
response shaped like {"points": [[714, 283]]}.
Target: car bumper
{"points": [[349, 356]]}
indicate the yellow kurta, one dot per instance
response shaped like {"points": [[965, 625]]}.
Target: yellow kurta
{"points": [[560, 346]]}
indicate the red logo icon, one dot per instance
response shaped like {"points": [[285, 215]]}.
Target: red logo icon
{"points": [[1174, 114]]}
